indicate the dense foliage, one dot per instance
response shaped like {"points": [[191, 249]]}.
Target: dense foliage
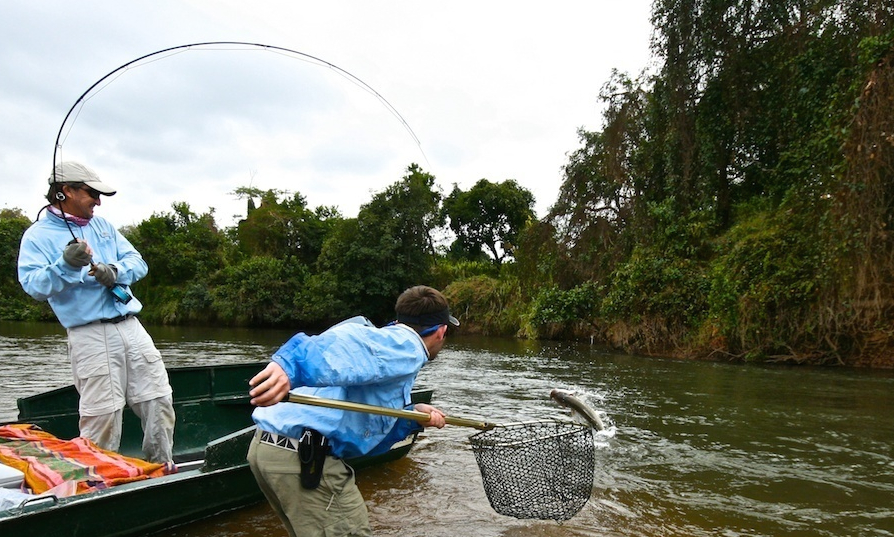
{"points": [[14, 303], [737, 203], [488, 219]]}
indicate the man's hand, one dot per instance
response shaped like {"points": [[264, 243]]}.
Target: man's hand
{"points": [[104, 274], [436, 419], [269, 386], [77, 254]]}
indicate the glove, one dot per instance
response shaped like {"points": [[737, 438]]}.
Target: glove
{"points": [[76, 254], [104, 274]]}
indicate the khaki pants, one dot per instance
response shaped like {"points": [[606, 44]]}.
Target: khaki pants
{"points": [[116, 365], [334, 509]]}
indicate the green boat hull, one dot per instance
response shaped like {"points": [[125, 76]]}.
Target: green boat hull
{"points": [[211, 439]]}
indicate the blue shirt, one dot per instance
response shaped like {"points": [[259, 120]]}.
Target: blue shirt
{"points": [[75, 297], [352, 361]]}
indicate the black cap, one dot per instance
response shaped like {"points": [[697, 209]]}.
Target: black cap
{"points": [[429, 319]]}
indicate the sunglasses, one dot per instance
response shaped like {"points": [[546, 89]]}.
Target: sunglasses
{"points": [[92, 193]]}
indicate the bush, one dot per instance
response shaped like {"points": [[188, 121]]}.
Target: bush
{"points": [[486, 305], [259, 291], [764, 283], [655, 301]]}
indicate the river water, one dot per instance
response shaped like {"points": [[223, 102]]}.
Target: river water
{"points": [[690, 448]]}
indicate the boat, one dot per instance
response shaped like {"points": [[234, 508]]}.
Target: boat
{"points": [[211, 439]]}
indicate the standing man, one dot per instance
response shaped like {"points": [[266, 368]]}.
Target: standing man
{"points": [[83, 267], [297, 455]]}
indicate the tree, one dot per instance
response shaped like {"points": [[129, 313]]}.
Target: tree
{"points": [[179, 246], [605, 186], [489, 217], [259, 291], [285, 229], [12, 225], [368, 261], [15, 304], [740, 196]]}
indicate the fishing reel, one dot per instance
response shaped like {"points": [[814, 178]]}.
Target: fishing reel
{"points": [[120, 294]]}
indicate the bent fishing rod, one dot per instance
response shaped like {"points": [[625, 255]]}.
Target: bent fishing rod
{"points": [[158, 55]]}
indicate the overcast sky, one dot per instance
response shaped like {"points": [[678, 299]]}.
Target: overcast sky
{"points": [[483, 89]]}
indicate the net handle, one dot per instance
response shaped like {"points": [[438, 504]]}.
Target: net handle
{"points": [[421, 417]]}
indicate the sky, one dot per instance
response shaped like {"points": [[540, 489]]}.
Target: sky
{"points": [[467, 90]]}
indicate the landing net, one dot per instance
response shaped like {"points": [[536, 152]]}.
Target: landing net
{"points": [[539, 470]]}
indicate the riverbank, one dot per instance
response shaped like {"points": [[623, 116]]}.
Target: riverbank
{"points": [[877, 351]]}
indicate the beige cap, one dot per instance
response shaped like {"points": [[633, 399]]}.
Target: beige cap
{"points": [[73, 172]]}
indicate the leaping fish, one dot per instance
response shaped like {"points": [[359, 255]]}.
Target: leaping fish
{"points": [[567, 399]]}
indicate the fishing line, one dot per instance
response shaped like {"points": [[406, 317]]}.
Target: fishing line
{"points": [[159, 55]]}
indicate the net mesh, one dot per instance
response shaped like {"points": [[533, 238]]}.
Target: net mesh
{"points": [[541, 470]]}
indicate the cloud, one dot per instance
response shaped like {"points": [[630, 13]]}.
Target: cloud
{"points": [[491, 90]]}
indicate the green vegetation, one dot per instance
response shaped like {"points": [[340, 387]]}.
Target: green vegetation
{"points": [[736, 204], [490, 216], [15, 305]]}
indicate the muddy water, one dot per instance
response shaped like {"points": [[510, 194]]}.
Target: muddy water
{"points": [[691, 449]]}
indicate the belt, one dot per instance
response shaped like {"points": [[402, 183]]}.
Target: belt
{"points": [[114, 320], [278, 440]]}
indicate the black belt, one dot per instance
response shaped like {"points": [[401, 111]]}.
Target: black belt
{"points": [[115, 320]]}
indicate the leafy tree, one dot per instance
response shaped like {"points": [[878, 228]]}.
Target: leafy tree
{"points": [[488, 217], [606, 184], [12, 225], [259, 291], [739, 196], [285, 229], [368, 261], [15, 304], [179, 246]]}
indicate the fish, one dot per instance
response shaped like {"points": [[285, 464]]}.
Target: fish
{"points": [[567, 399]]}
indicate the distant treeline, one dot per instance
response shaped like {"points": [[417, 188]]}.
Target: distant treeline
{"points": [[737, 204]]}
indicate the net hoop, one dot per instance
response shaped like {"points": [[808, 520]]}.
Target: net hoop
{"points": [[536, 470]]}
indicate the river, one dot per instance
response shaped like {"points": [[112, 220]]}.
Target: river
{"points": [[690, 448]]}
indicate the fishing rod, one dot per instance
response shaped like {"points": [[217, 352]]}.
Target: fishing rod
{"points": [[95, 87]]}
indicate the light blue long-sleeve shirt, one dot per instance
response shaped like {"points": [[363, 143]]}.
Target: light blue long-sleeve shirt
{"points": [[352, 361], [77, 298]]}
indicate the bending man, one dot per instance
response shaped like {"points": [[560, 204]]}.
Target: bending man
{"points": [[352, 361]]}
